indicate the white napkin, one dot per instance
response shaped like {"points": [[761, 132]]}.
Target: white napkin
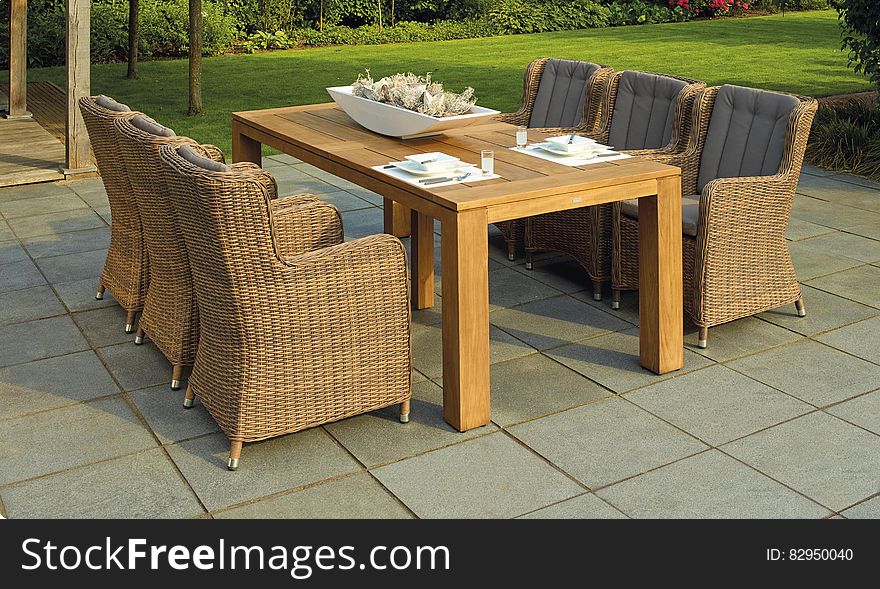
{"points": [[567, 160]]}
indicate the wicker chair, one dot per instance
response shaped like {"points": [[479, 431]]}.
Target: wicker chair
{"points": [[297, 328], [649, 116], [736, 211], [559, 95], [126, 268]]}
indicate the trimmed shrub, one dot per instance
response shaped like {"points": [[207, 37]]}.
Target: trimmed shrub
{"points": [[846, 137]]}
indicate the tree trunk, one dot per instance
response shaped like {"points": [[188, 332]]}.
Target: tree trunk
{"points": [[379, 3], [321, 18], [133, 10], [195, 57]]}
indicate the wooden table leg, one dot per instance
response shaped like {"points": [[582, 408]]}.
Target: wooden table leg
{"points": [[397, 219], [422, 261], [661, 329], [244, 148], [465, 259]]}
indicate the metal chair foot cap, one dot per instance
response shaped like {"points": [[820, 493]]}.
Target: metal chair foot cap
{"points": [[129, 328], [138, 340], [702, 344], [187, 403], [597, 296], [615, 305], [404, 418], [511, 257], [99, 296], [802, 312], [175, 385], [232, 464], [528, 265]]}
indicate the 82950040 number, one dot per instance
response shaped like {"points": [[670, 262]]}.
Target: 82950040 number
{"points": [[820, 554]]}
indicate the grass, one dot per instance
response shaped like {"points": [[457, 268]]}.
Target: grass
{"points": [[795, 53]]}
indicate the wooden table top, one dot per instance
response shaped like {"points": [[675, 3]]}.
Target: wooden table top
{"points": [[329, 133]]}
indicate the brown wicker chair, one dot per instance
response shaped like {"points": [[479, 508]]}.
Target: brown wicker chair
{"points": [[297, 328], [646, 115], [736, 211], [559, 95], [170, 314], [126, 269]]}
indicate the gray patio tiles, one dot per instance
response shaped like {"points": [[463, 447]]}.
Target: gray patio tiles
{"points": [[857, 284], [825, 311], [68, 243], [869, 509], [863, 411], [27, 304], [860, 339], [42, 338], [586, 506]]}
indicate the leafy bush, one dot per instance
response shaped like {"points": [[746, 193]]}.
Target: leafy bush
{"points": [[531, 16], [846, 137], [640, 12], [860, 20]]}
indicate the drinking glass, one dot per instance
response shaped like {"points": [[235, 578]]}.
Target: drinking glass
{"points": [[522, 136], [487, 161]]}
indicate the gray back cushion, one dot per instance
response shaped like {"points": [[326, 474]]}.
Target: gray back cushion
{"points": [[193, 157], [561, 93], [746, 134], [110, 104], [644, 111], [148, 125]]}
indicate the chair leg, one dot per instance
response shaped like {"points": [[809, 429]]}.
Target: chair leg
{"points": [[404, 412], [234, 454], [188, 398], [801, 309], [176, 373], [100, 294], [511, 250], [703, 340], [129, 321], [615, 298], [597, 291], [139, 336], [530, 257]]}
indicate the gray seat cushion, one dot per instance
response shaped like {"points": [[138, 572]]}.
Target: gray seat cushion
{"points": [[644, 111], [561, 93], [690, 212], [148, 125], [110, 104], [747, 134], [190, 155]]}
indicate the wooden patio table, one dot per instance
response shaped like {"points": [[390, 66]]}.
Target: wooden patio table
{"points": [[324, 136]]}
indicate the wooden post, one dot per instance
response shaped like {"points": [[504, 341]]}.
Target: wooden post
{"points": [[78, 158], [17, 60]]}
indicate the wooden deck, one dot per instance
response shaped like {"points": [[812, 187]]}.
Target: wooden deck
{"points": [[32, 150]]}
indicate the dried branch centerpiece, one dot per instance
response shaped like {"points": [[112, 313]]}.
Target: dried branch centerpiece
{"points": [[407, 105]]}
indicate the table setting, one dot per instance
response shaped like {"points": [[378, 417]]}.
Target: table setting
{"points": [[568, 150], [437, 169]]}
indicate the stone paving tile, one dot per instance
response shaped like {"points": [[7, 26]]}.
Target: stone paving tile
{"points": [[79, 295], [535, 386], [810, 263], [5, 232], [362, 222], [830, 188], [586, 506], [813, 170], [708, 485], [164, 412], [104, 213], [11, 252], [29, 304], [606, 441], [76, 220], [87, 185], [41, 206], [841, 470], [871, 230], [858, 284], [863, 411], [508, 288], [136, 367], [488, 477], [345, 201], [830, 214], [556, 321], [846, 245], [68, 243], [144, 485], [799, 229], [561, 273], [860, 339], [53, 382], [825, 311], [868, 510], [427, 348], [717, 404], [811, 371], [613, 361], [104, 327], [19, 275], [379, 437], [42, 338], [629, 304], [739, 338], [73, 266], [33, 191], [354, 497], [266, 467], [71, 436]]}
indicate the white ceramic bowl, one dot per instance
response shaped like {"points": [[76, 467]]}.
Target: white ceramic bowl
{"points": [[577, 145], [435, 161], [394, 121]]}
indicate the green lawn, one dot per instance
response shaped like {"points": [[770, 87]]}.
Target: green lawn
{"points": [[796, 53]]}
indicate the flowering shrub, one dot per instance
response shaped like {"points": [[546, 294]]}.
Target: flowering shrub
{"points": [[710, 8]]}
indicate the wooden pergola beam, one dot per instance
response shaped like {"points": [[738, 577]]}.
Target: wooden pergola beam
{"points": [[17, 60], [78, 85]]}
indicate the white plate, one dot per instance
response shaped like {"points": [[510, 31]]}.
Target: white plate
{"points": [[417, 170], [578, 143], [434, 161], [587, 152]]}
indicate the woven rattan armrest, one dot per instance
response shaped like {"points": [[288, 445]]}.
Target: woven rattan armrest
{"points": [[302, 223]]}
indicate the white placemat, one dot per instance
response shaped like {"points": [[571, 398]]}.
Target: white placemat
{"points": [[476, 176], [567, 160]]}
